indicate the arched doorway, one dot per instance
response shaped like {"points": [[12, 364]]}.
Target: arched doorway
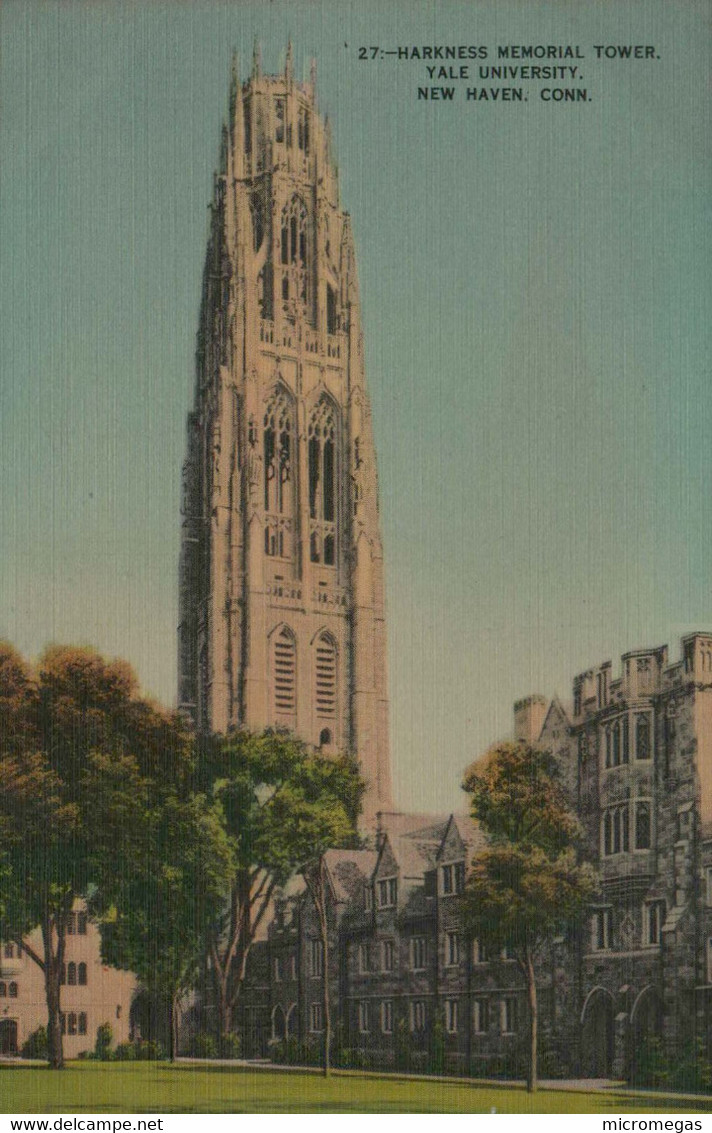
{"points": [[278, 1023], [646, 1024], [597, 1034], [292, 1021], [8, 1036]]}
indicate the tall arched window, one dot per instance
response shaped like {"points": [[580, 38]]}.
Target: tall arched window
{"points": [[642, 826], [72, 974], [608, 833], [303, 129], [642, 736], [322, 484], [325, 676], [284, 673], [82, 974], [294, 255], [616, 743], [12, 990], [279, 475]]}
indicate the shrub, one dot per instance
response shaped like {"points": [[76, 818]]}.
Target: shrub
{"points": [[292, 1052], [686, 1069], [403, 1046], [436, 1059], [229, 1045], [148, 1050], [104, 1039], [203, 1045], [35, 1045], [143, 1050]]}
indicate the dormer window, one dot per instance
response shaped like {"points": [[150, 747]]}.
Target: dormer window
{"points": [[387, 892]]}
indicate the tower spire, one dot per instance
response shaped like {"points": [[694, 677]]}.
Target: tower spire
{"points": [[234, 88], [289, 64], [257, 60]]}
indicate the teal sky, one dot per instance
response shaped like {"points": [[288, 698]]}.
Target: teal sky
{"points": [[536, 291]]}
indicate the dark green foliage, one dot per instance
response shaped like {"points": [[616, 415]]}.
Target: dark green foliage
{"points": [[104, 1039], [403, 1046], [279, 800], [687, 1070], [296, 1052], [229, 1045], [528, 883], [35, 1045], [203, 1045], [436, 1054], [144, 1050], [63, 725]]}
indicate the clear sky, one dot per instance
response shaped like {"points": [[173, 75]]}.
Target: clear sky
{"points": [[535, 280]]}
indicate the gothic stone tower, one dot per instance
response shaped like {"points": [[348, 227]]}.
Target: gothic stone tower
{"points": [[282, 618]]}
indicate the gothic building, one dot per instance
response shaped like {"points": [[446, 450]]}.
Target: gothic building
{"points": [[282, 618], [635, 753]]}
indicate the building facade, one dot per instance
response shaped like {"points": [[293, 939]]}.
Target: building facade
{"points": [[282, 619], [92, 992], [408, 987]]}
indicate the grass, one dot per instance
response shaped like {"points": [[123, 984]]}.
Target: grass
{"points": [[162, 1088]]}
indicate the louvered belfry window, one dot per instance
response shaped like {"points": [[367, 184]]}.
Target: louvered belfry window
{"points": [[285, 673], [325, 676]]}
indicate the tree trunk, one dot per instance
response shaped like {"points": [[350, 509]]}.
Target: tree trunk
{"points": [[173, 1028], [532, 1077], [220, 979], [52, 975], [224, 1013], [325, 947]]}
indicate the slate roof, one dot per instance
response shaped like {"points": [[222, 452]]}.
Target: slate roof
{"points": [[397, 823], [349, 871], [472, 837]]}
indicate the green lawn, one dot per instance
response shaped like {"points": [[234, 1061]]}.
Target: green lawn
{"points": [[161, 1088]]}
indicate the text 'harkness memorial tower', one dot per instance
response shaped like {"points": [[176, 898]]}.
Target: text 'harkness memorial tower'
{"points": [[282, 619]]}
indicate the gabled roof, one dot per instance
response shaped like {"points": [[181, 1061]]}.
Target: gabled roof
{"points": [[349, 871], [414, 856], [556, 708], [462, 835], [396, 822]]}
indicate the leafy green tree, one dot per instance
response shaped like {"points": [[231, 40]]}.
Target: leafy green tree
{"points": [[163, 864], [277, 795], [527, 884], [326, 819], [56, 721]]}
